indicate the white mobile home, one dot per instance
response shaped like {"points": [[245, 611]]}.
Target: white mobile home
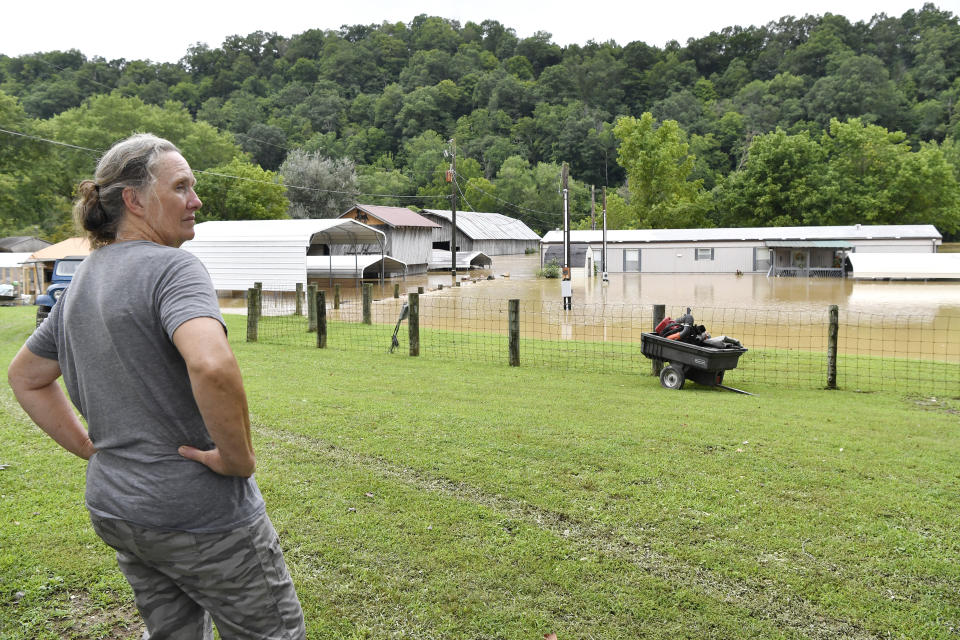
{"points": [[775, 251], [274, 252], [493, 234]]}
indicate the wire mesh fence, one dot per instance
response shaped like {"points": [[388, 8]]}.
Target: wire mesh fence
{"points": [[875, 352]]}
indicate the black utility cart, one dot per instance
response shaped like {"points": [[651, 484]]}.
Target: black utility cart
{"points": [[704, 365]]}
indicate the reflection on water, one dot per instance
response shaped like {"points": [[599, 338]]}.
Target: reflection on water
{"points": [[515, 277]]}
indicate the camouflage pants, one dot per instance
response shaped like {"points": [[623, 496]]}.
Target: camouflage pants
{"points": [[181, 580]]}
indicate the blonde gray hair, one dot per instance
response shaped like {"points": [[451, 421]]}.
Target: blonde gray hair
{"points": [[99, 207]]}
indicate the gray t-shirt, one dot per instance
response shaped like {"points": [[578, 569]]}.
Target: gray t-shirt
{"points": [[112, 334]]}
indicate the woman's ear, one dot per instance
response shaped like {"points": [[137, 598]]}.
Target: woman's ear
{"points": [[131, 200]]}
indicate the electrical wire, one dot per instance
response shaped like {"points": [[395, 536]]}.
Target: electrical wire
{"points": [[355, 194]]}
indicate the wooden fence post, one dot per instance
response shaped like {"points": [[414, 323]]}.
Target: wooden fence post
{"points": [[252, 317], [396, 289], [299, 302], [367, 298], [312, 307], [259, 287], [336, 296], [832, 334], [659, 313], [413, 323], [321, 320], [419, 289], [513, 324]]}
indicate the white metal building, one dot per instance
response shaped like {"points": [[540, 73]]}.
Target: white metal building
{"points": [[776, 251], [274, 252], [354, 266], [443, 260], [883, 266], [494, 234]]}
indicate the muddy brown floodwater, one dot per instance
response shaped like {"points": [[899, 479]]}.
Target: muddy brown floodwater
{"points": [[878, 313]]}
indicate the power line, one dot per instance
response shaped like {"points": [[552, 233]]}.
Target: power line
{"points": [[39, 139], [355, 194]]}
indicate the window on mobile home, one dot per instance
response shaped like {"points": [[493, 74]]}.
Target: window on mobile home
{"points": [[704, 253]]}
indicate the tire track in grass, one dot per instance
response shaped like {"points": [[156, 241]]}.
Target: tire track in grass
{"points": [[764, 601]]}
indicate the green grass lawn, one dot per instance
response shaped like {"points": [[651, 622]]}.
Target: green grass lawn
{"points": [[419, 498]]}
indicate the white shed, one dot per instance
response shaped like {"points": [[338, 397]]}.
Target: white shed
{"points": [[913, 266], [274, 252]]}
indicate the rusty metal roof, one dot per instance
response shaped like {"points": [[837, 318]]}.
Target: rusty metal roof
{"points": [[391, 216]]}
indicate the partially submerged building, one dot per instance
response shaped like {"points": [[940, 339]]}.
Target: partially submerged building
{"points": [[408, 234], [774, 251], [493, 234], [907, 266]]}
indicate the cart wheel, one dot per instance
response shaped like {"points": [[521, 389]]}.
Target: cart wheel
{"points": [[672, 378], [719, 377]]}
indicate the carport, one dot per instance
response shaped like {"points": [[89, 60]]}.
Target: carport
{"points": [[274, 252]]}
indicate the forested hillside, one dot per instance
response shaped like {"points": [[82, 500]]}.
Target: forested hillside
{"points": [[809, 120]]}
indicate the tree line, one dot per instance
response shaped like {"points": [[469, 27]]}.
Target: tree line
{"points": [[802, 121]]}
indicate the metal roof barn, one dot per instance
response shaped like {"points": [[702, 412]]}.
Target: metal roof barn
{"points": [[274, 252], [407, 232], [908, 266], [492, 233]]}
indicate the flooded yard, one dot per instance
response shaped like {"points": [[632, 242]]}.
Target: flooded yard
{"points": [[918, 320]]}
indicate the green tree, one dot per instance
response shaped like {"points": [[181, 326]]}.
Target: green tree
{"points": [[380, 185], [874, 177], [239, 190], [103, 120], [780, 184], [658, 167], [30, 202]]}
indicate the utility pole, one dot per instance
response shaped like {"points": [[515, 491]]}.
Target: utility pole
{"points": [[603, 251], [593, 208], [566, 286], [452, 179]]}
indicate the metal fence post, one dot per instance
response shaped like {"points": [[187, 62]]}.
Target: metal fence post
{"points": [[312, 307], [321, 312], [659, 313], [367, 301], [252, 316], [833, 333], [513, 322], [413, 323]]}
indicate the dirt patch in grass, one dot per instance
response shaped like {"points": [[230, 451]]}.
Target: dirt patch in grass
{"points": [[934, 403], [87, 619]]}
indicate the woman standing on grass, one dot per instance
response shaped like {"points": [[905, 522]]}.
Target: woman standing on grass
{"points": [[142, 347]]}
